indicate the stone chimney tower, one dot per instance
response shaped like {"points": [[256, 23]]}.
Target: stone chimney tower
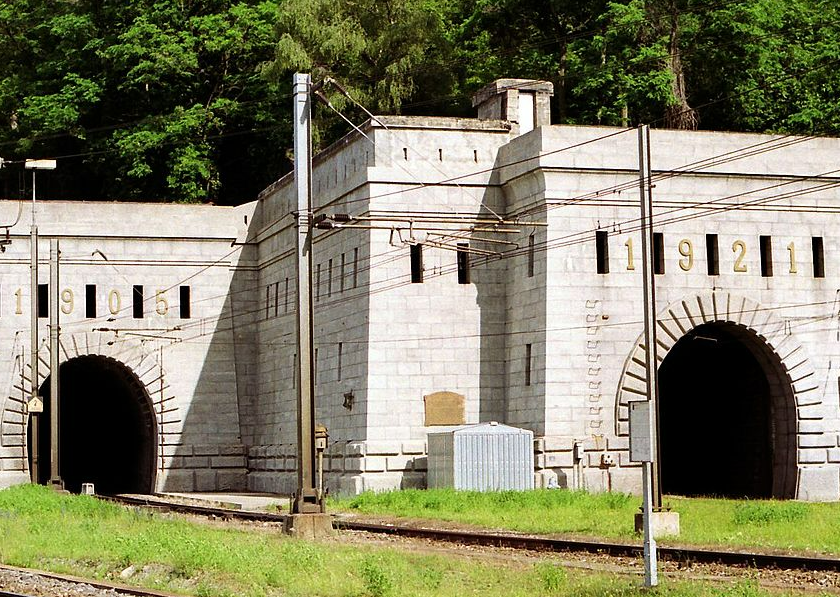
{"points": [[525, 102]]}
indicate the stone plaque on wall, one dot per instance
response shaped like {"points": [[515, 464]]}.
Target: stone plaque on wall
{"points": [[444, 408]]}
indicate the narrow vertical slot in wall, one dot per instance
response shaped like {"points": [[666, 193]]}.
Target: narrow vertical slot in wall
{"points": [[766, 253], [527, 364], [531, 256], [818, 253], [712, 255], [602, 252], [416, 252], [463, 254], [658, 253], [329, 277], [184, 306], [43, 300], [90, 300], [137, 301]]}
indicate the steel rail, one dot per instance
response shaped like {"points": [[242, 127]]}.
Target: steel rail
{"points": [[122, 589], [741, 558]]}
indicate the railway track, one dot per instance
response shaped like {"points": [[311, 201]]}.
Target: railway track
{"points": [[40, 582], [752, 559]]}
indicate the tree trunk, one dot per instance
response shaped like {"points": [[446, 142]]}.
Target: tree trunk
{"points": [[678, 115], [561, 82]]}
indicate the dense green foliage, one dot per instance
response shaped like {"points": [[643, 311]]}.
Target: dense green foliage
{"points": [[80, 535], [703, 521], [189, 100]]}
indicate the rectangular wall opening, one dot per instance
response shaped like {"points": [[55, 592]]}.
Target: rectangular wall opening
{"points": [[90, 300], [463, 263], [712, 258], [137, 301], [527, 364], [658, 253], [818, 254], [531, 256], [416, 263], [43, 300], [356, 267], [602, 252], [766, 252], [184, 302], [329, 277]]}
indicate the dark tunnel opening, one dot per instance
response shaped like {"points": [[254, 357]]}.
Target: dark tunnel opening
{"points": [[106, 428], [720, 401]]}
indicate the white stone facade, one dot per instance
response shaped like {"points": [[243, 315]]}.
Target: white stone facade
{"points": [[537, 338]]}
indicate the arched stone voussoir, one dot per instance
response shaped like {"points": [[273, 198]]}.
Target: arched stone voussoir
{"points": [[133, 354], [680, 317]]}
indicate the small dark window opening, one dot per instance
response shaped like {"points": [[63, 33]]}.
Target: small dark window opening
{"points": [[602, 252], [137, 301], [766, 250], [416, 263], [463, 263], [356, 267], [527, 364], [819, 256], [90, 300], [184, 302], [531, 256], [267, 300], [340, 355], [43, 300], [712, 260], [276, 298], [329, 278], [658, 253]]}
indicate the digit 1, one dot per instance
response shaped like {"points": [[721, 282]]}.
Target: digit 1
{"points": [[792, 252], [18, 305], [629, 245]]}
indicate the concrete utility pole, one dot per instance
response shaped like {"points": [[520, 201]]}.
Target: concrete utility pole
{"points": [[307, 500], [651, 498], [55, 476], [35, 405]]}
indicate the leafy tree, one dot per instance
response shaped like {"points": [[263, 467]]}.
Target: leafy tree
{"points": [[152, 94], [382, 52]]}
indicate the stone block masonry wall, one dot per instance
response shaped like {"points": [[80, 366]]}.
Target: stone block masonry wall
{"points": [[182, 355], [349, 467], [596, 464], [204, 468]]}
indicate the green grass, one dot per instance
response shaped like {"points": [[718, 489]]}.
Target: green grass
{"points": [[81, 535], [706, 521]]}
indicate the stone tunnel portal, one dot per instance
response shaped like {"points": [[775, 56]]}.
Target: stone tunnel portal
{"points": [[726, 406], [107, 428]]}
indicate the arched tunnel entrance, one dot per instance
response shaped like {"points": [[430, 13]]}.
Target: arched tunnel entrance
{"points": [[106, 428], [726, 409]]}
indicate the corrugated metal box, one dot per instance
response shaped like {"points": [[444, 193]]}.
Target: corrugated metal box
{"points": [[483, 457]]}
